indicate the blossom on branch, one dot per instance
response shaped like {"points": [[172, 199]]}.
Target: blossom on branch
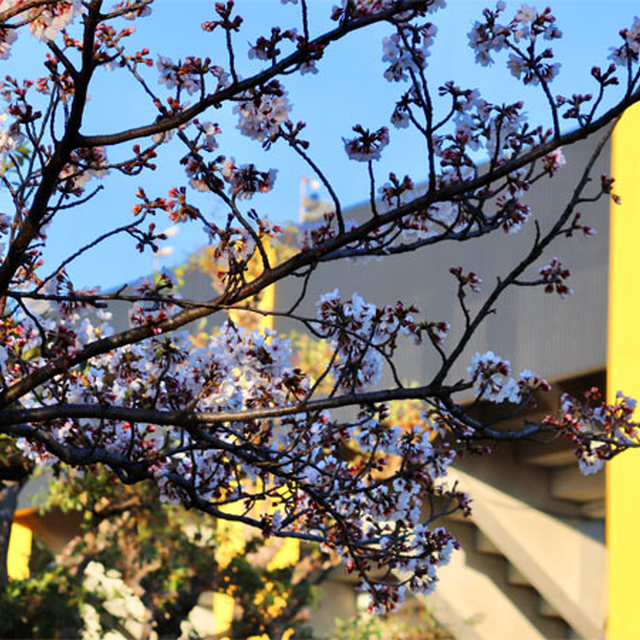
{"points": [[402, 59], [553, 275], [262, 115], [629, 51], [599, 430], [47, 21], [366, 145]]}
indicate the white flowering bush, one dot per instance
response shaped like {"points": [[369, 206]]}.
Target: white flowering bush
{"points": [[232, 426]]}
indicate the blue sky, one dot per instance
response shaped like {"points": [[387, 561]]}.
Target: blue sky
{"points": [[348, 89]]}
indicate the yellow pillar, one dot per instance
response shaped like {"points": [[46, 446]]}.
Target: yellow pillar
{"points": [[623, 473], [19, 552]]}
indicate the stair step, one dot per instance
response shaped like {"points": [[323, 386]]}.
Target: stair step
{"points": [[596, 509], [547, 610], [484, 544], [569, 484], [516, 578]]}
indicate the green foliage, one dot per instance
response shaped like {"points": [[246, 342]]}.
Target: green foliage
{"points": [[358, 628], [160, 551], [18, 157], [421, 625], [162, 554], [47, 605]]}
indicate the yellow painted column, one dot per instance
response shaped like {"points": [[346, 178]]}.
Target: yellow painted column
{"points": [[623, 371], [19, 552]]}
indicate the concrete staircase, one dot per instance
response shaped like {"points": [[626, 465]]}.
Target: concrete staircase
{"points": [[532, 563], [533, 559]]}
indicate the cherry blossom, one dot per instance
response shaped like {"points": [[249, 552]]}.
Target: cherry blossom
{"points": [[553, 275], [247, 180], [7, 38], [489, 36], [631, 48], [261, 116], [554, 161], [490, 375], [599, 430], [11, 137], [47, 21], [403, 60], [366, 145]]}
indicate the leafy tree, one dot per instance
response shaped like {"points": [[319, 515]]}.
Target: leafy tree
{"points": [[164, 558], [46, 606], [234, 429]]}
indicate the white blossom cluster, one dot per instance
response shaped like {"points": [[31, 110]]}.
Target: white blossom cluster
{"points": [[10, 136], [260, 116], [234, 372], [172, 76], [239, 371], [118, 600], [367, 145], [630, 50], [209, 130], [589, 462], [490, 375], [361, 333], [597, 428], [189, 75], [230, 418], [388, 511], [7, 38], [45, 21], [402, 60], [351, 329], [246, 180], [492, 36], [85, 165]]}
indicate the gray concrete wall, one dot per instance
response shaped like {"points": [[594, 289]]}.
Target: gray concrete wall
{"points": [[556, 338]]}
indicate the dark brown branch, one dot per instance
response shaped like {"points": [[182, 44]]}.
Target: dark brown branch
{"points": [[25, 6], [30, 227], [186, 419], [533, 255]]}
